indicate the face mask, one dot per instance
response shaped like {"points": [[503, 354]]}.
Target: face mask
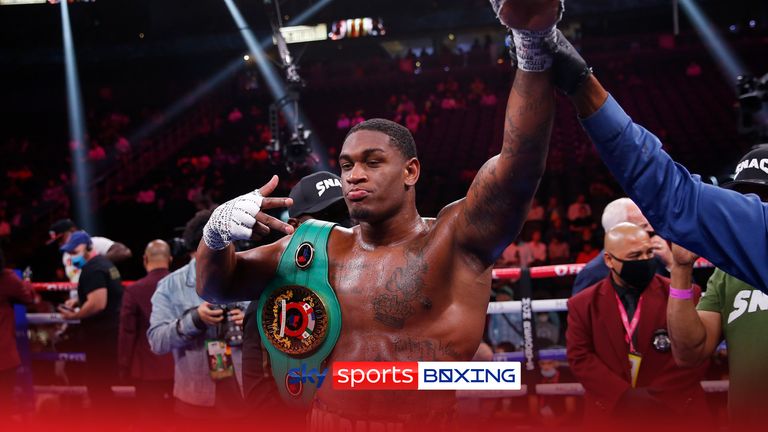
{"points": [[78, 261], [638, 273], [548, 373]]}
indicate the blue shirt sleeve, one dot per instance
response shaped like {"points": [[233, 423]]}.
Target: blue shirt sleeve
{"points": [[725, 227]]}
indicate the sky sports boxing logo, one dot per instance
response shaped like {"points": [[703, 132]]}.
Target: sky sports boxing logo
{"points": [[416, 376]]}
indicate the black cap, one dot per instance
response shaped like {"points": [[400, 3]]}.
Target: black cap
{"points": [[315, 193], [58, 228], [751, 171]]}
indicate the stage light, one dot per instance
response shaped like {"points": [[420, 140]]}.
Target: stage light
{"points": [[724, 56], [77, 135], [246, 57]]}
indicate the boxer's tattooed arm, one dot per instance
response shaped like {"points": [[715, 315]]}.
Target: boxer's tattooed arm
{"points": [[499, 199]]}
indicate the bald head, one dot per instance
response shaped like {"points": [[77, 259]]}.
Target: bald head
{"points": [[157, 255], [626, 240], [623, 210]]}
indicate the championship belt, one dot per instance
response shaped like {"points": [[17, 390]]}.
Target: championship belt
{"points": [[299, 315]]}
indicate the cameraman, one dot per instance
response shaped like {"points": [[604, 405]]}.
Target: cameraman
{"points": [[208, 375]]}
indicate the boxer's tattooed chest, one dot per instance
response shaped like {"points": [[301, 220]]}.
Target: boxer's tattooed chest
{"points": [[403, 291], [424, 349]]}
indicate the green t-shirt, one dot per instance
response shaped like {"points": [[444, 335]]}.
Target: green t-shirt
{"points": [[744, 313]]}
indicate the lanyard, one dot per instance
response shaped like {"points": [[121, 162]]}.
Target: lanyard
{"points": [[629, 328]]}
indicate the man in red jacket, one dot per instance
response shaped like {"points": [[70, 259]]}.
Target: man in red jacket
{"points": [[618, 345], [152, 374], [12, 290]]}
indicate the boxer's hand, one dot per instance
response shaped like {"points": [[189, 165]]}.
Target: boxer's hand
{"points": [[682, 257], [532, 15], [242, 218], [532, 23], [570, 70]]}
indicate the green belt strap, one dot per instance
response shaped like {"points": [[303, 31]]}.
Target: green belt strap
{"points": [[301, 302]]}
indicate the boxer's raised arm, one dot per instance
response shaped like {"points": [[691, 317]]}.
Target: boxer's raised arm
{"points": [[222, 274], [500, 196], [225, 276]]}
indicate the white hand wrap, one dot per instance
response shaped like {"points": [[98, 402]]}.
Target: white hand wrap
{"points": [[532, 56], [232, 220]]}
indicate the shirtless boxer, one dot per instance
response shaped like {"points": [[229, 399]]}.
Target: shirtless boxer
{"points": [[410, 288]]}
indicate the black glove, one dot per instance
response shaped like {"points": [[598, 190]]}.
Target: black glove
{"points": [[569, 70]]}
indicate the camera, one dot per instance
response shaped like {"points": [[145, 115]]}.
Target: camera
{"points": [[229, 331], [753, 109]]}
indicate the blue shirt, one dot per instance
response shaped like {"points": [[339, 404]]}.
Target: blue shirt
{"points": [[725, 227], [171, 329]]}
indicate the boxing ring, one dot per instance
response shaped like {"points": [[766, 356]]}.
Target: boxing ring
{"points": [[516, 307]]}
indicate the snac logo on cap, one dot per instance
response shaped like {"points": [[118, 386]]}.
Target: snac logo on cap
{"points": [[761, 164], [326, 184]]}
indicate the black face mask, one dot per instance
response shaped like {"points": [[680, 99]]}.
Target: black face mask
{"points": [[638, 273]]}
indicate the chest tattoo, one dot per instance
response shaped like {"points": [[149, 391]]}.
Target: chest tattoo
{"points": [[403, 288]]}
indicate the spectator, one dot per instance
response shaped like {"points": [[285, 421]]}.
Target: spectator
{"points": [[556, 227], [554, 209], [357, 118], [547, 332], [449, 102], [579, 209], [582, 222], [489, 98], [152, 375], [693, 70], [606, 356], [616, 212], [96, 153], [235, 115], [412, 121], [510, 257], [505, 328], [587, 253], [343, 123], [60, 232], [183, 324], [99, 295], [123, 146], [536, 213], [559, 252], [12, 289], [146, 196], [533, 252]]}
